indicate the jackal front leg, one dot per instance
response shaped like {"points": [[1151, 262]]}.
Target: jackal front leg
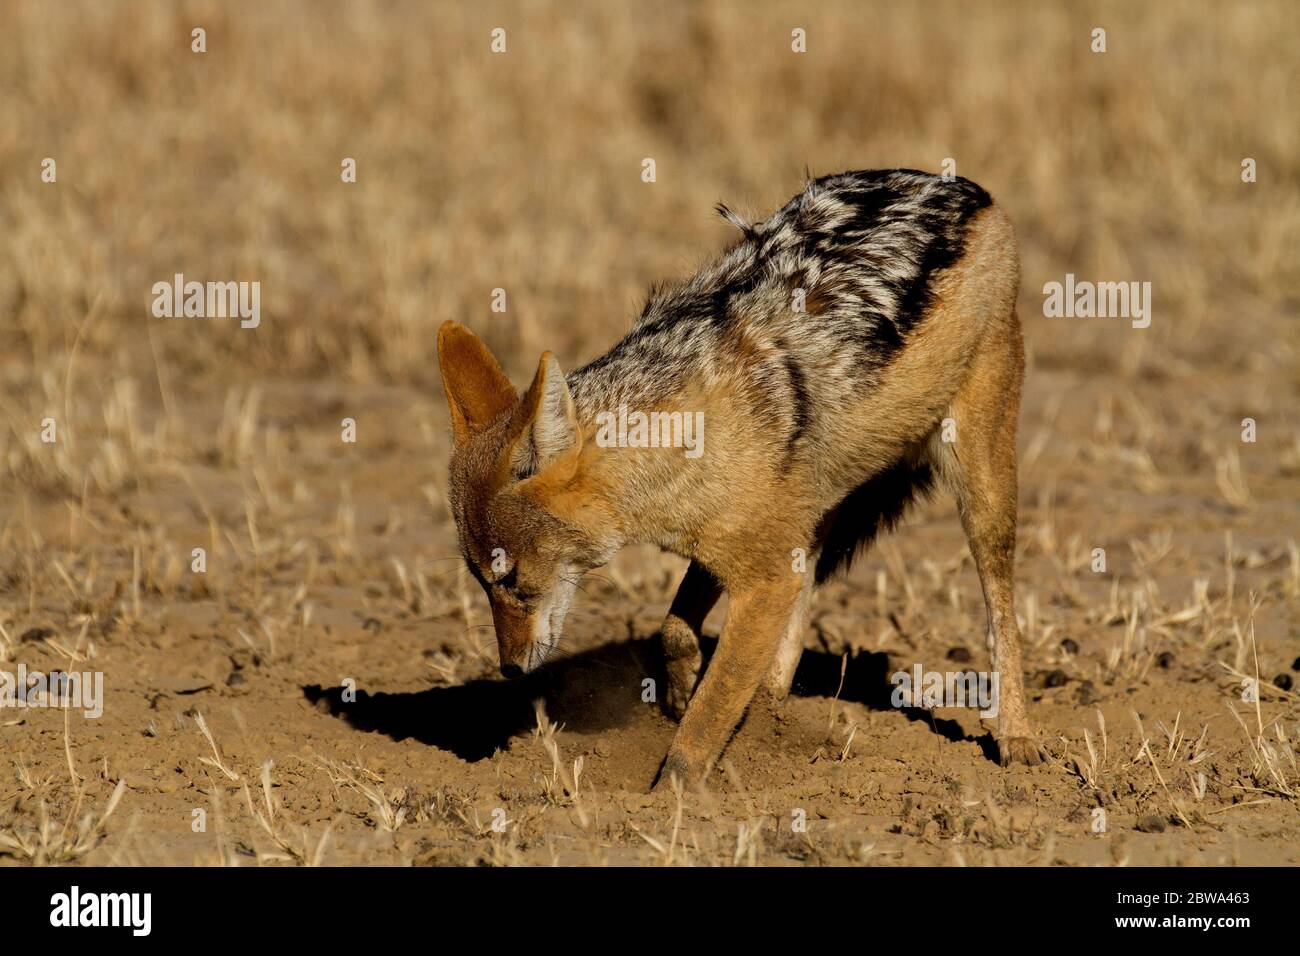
{"points": [[781, 674], [756, 621], [680, 636]]}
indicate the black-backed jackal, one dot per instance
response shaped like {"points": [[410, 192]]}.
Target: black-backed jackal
{"points": [[824, 350]]}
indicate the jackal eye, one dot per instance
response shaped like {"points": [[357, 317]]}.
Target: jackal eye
{"points": [[509, 582]]}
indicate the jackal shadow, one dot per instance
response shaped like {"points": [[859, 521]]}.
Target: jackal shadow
{"points": [[590, 691]]}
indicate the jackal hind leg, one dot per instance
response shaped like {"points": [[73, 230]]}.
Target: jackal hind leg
{"points": [[680, 636], [980, 467]]}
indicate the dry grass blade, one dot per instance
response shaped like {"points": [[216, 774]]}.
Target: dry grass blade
{"points": [[215, 760]]}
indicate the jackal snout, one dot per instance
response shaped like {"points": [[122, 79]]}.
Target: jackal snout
{"points": [[514, 639], [527, 635]]}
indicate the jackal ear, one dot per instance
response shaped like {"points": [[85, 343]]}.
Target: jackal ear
{"points": [[477, 390], [547, 421]]}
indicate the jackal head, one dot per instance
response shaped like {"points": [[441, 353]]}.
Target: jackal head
{"points": [[524, 521]]}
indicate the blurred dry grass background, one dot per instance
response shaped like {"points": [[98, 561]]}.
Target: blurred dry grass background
{"points": [[523, 171]]}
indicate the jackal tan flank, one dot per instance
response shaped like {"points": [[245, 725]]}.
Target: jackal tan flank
{"points": [[824, 349]]}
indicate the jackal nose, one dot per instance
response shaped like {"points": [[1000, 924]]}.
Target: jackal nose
{"points": [[511, 671]]}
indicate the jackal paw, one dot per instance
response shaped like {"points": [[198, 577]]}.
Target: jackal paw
{"points": [[771, 699], [675, 765], [1020, 750], [682, 677]]}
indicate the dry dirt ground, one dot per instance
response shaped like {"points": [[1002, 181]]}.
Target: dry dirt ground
{"points": [[230, 732]]}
